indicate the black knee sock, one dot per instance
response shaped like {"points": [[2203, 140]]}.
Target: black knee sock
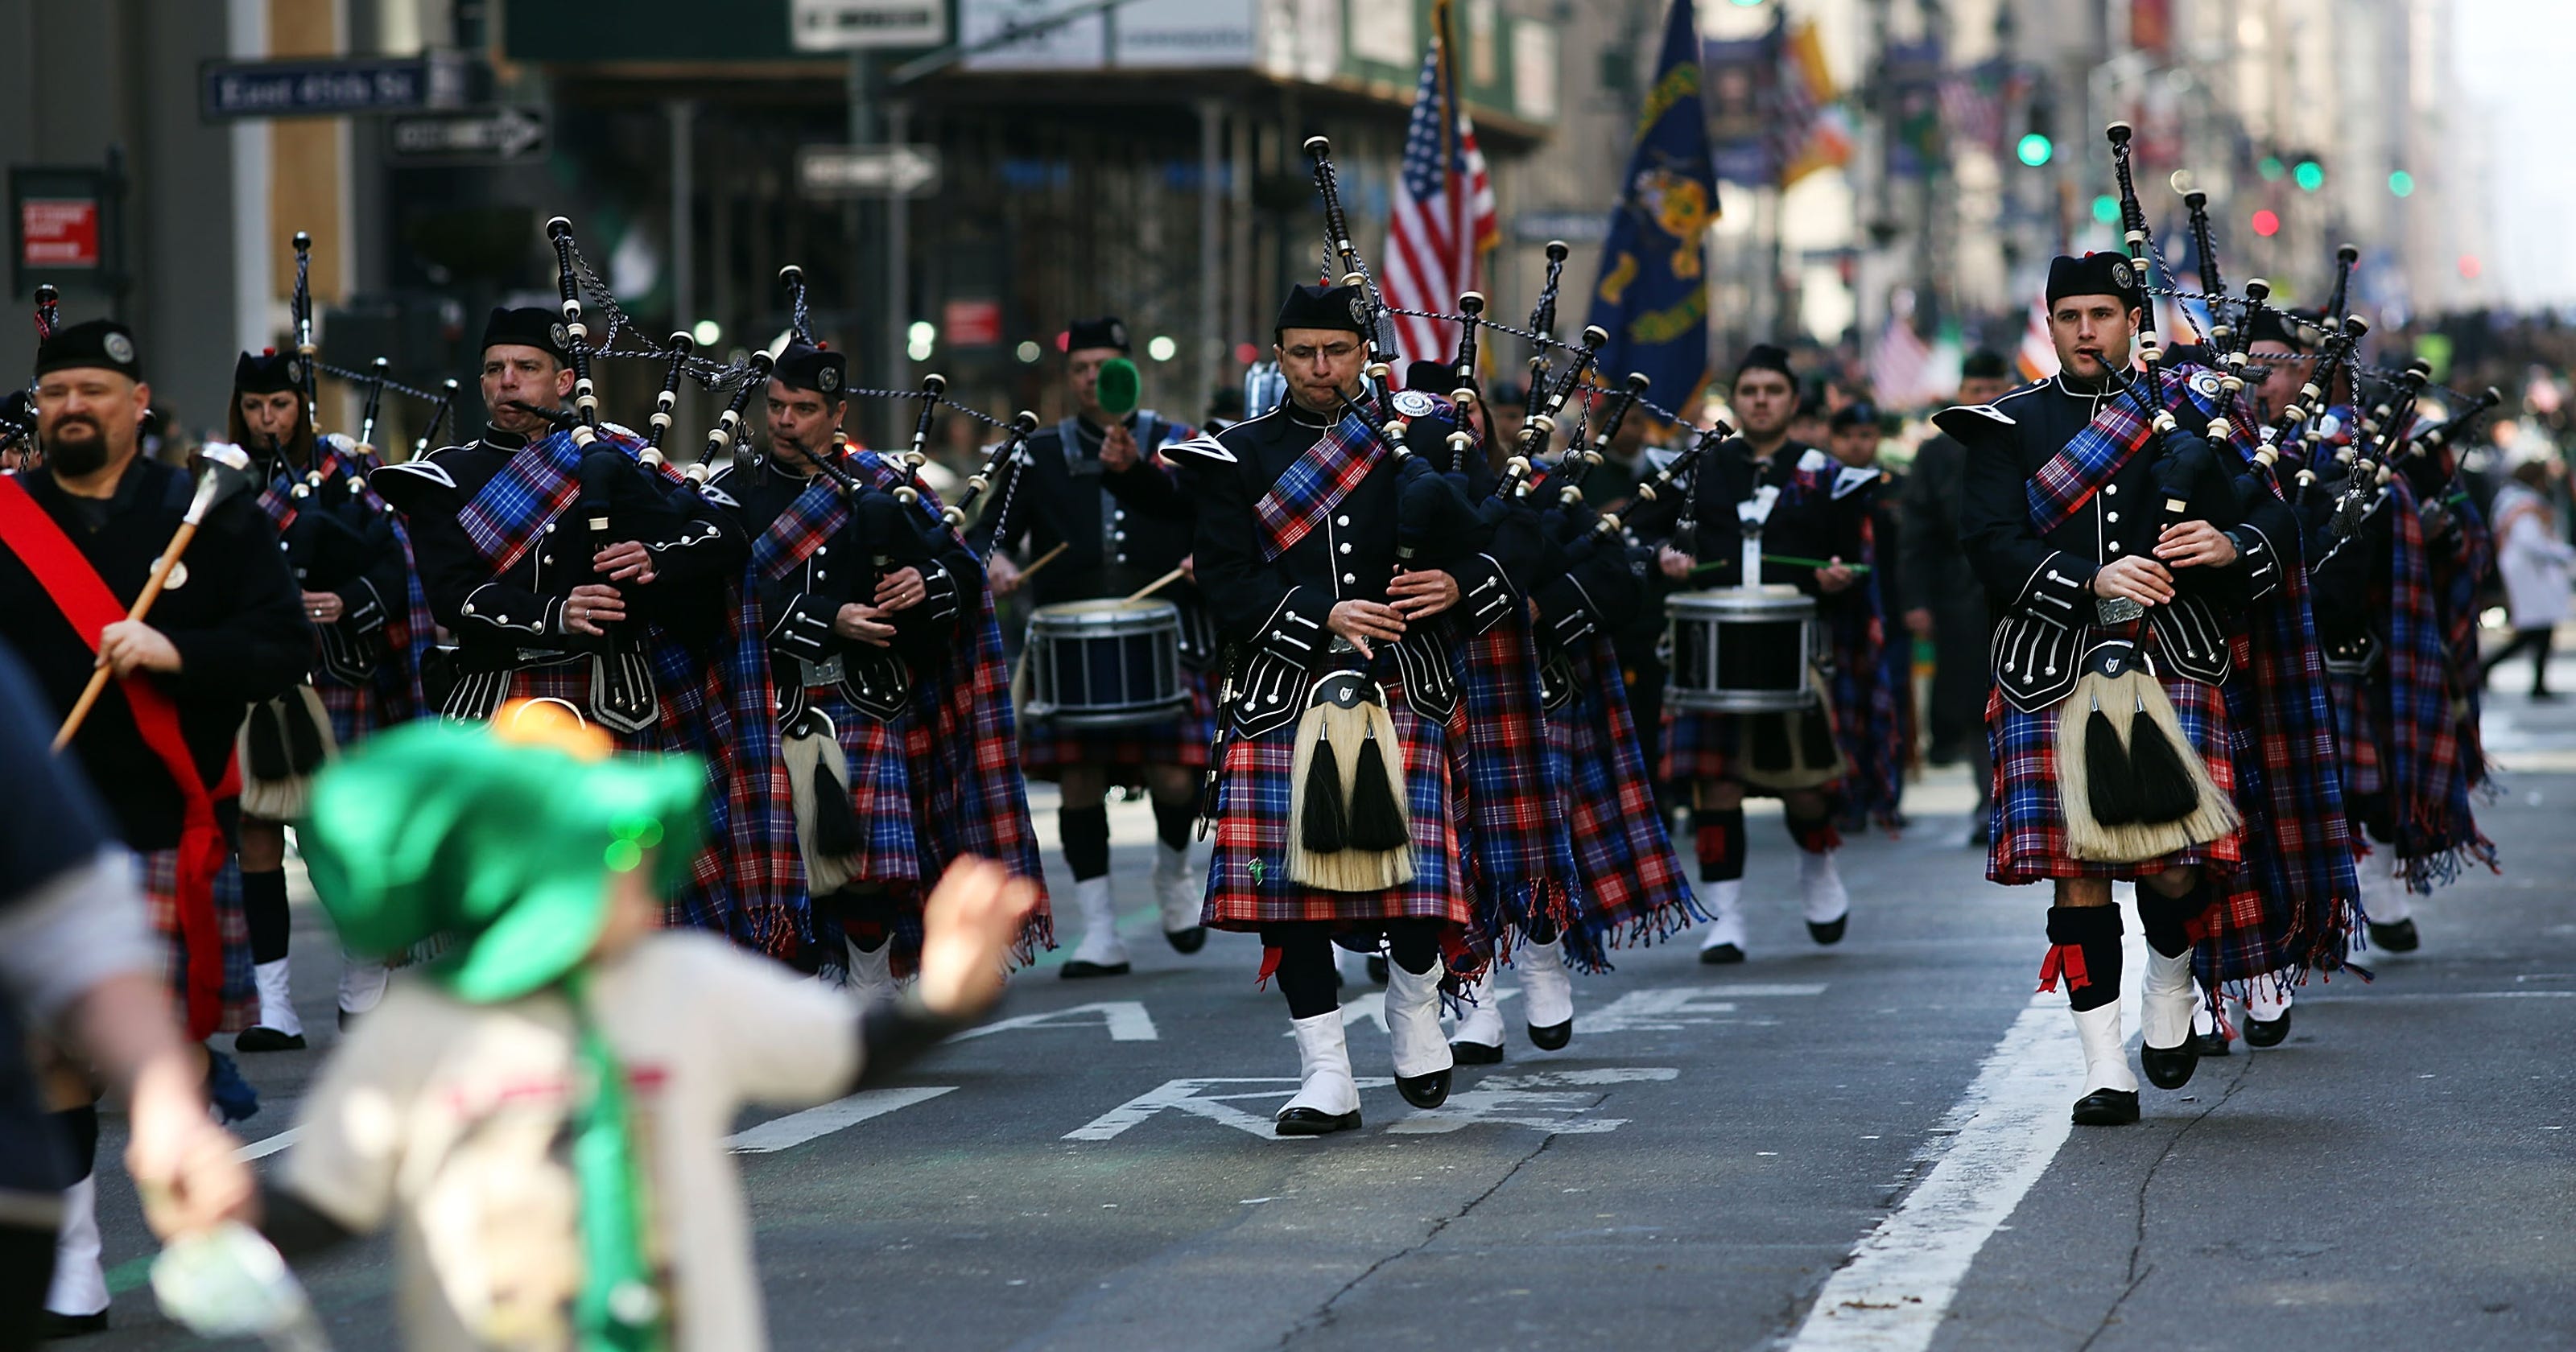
{"points": [[1173, 822], [264, 905], [1542, 930], [1305, 969], [2164, 919], [1815, 835], [1720, 838], [1086, 840], [79, 1130], [2084, 948], [1413, 945]]}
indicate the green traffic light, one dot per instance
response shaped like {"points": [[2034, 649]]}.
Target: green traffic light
{"points": [[2310, 175], [2035, 150], [2106, 209], [2401, 183], [2271, 168]]}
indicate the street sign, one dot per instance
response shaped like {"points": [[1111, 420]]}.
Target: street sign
{"points": [[227, 90], [851, 25], [867, 171], [62, 225], [487, 135]]}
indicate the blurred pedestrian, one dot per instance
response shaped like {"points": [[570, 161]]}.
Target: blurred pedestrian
{"points": [[2534, 559], [1941, 597], [560, 1011]]}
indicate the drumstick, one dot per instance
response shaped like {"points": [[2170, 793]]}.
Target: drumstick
{"points": [[1154, 586], [1790, 559], [1045, 559]]}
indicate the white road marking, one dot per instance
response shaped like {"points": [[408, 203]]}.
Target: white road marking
{"points": [[2380, 998], [1675, 1007], [1893, 1294], [1190, 1096], [1126, 1021], [1549, 1101], [796, 1129]]}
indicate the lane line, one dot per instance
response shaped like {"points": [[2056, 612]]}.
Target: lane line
{"points": [[796, 1129], [269, 1145], [1900, 1281]]}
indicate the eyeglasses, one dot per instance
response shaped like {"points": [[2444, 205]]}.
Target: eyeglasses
{"points": [[1337, 352]]}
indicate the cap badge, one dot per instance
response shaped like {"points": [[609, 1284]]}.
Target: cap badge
{"points": [[120, 349]]}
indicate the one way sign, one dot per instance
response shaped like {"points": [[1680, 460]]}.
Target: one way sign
{"points": [[490, 135]]}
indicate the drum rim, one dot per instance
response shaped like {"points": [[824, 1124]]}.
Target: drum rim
{"points": [[1095, 609]]}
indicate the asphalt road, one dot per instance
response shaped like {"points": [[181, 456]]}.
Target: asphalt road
{"points": [[1861, 1147]]}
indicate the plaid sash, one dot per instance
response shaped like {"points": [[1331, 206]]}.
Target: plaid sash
{"points": [[1316, 484], [2457, 580], [506, 517], [1518, 849], [2428, 787], [2072, 476], [812, 518]]}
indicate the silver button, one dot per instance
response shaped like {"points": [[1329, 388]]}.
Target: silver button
{"points": [[1350, 577], [2115, 516], [2110, 488], [1118, 535], [545, 558], [1341, 521], [1119, 515], [2115, 546], [550, 528], [1346, 546], [469, 607], [822, 549]]}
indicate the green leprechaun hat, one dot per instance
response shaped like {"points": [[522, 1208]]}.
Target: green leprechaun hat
{"points": [[498, 839]]}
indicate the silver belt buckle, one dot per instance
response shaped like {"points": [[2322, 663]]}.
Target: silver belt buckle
{"points": [[2116, 609], [826, 672]]}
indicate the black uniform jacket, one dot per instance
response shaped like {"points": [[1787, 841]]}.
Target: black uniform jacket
{"points": [[1810, 526], [798, 610], [2039, 588], [342, 541], [1121, 530], [696, 548], [1277, 610], [231, 610]]}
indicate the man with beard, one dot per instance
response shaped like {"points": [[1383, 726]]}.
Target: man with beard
{"points": [[352, 563], [78, 538]]}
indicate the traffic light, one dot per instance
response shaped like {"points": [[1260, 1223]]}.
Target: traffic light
{"points": [[2309, 175], [2271, 168], [2401, 183], [2106, 209], [2036, 146], [2267, 223]]}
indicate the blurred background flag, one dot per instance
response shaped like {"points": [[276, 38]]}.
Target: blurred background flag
{"points": [[1815, 133], [1444, 205], [1653, 294]]}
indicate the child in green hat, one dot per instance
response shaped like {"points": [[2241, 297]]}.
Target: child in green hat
{"points": [[543, 1115]]}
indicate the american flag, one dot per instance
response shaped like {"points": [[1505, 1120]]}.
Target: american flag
{"points": [[1444, 213]]}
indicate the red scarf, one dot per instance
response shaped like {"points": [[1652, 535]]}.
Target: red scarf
{"points": [[77, 590]]}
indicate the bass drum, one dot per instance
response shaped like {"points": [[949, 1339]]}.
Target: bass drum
{"points": [[1742, 650], [1105, 664]]}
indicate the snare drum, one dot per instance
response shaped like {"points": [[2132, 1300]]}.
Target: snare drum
{"points": [[1741, 650], [1105, 664]]}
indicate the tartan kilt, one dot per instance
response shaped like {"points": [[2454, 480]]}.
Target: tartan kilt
{"points": [[355, 710], [895, 856], [159, 879], [1634, 887], [570, 683], [1179, 740], [2028, 827], [1705, 746], [2357, 734], [1248, 884]]}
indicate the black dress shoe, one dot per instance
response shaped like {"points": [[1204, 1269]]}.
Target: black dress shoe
{"points": [[2168, 1067], [1190, 940], [2107, 1108], [1831, 931], [1377, 968], [1078, 970], [1553, 1037], [1424, 1091], [50, 1325], [1476, 1053], [2397, 937], [1721, 955], [2209, 1044], [259, 1039], [2267, 1032], [1314, 1122]]}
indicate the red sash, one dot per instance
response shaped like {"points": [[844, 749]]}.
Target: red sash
{"points": [[76, 589]]}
